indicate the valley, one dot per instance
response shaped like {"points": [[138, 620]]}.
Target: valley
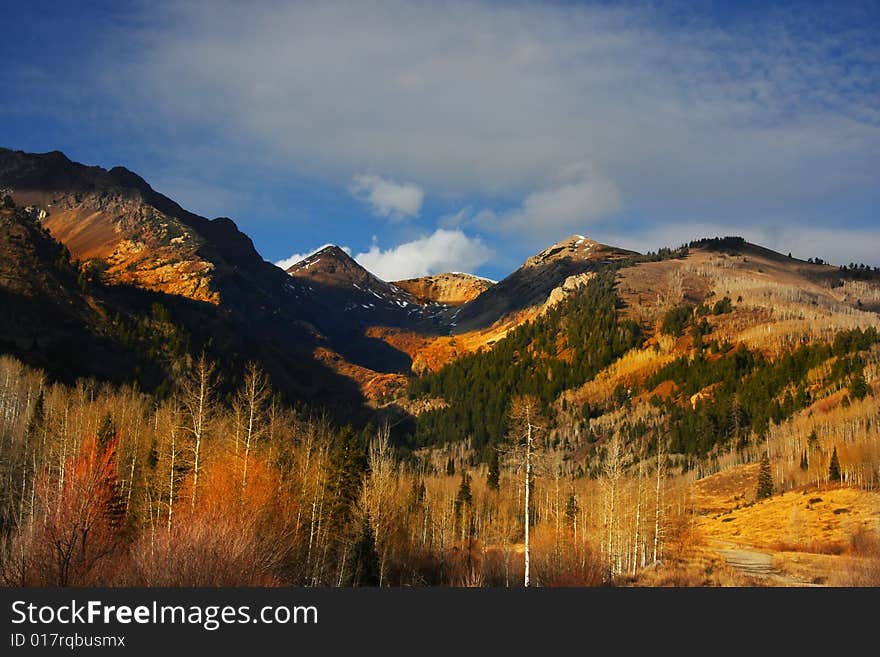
{"points": [[350, 430]]}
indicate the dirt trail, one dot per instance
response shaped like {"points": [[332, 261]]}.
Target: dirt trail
{"points": [[753, 563], [748, 562]]}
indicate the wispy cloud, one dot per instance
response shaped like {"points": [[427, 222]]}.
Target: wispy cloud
{"points": [[387, 198], [683, 115], [580, 195], [476, 97], [443, 250]]}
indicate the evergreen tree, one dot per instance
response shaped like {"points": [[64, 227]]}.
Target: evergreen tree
{"points": [[106, 432], [348, 464], [858, 389], [418, 492], [464, 496], [526, 361], [676, 320], [571, 509], [365, 558], [723, 306], [765, 479], [450, 467], [37, 417], [805, 464], [834, 467], [494, 476]]}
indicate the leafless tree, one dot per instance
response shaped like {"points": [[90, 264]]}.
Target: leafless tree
{"points": [[252, 398], [613, 469], [659, 497], [527, 424], [198, 391]]}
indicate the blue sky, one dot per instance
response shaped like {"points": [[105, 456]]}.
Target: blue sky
{"points": [[467, 136]]}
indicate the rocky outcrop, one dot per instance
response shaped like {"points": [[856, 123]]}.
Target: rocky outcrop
{"points": [[452, 289], [571, 284]]}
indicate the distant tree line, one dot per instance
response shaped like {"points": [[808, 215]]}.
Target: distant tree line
{"points": [[731, 243]]}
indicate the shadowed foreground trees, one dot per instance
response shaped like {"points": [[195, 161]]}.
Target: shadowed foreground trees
{"points": [[106, 486], [81, 524]]}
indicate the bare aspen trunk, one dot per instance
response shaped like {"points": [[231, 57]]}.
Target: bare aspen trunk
{"points": [[342, 566], [33, 486], [556, 504], [303, 483], [528, 476], [611, 501], [130, 481], [658, 508], [635, 550], [252, 411], [254, 397], [23, 495], [171, 473], [525, 414], [63, 455], [615, 461], [198, 393], [198, 449]]}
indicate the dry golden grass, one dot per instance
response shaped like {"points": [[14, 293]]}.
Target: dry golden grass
{"points": [[820, 535], [812, 520], [726, 490], [690, 562]]}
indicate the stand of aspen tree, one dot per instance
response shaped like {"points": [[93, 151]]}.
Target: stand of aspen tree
{"points": [[109, 486]]}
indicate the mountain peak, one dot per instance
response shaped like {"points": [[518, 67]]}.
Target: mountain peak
{"points": [[576, 247], [331, 259], [334, 251], [335, 281], [531, 284]]}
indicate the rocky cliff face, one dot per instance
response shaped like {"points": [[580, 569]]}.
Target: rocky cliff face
{"points": [[139, 236], [451, 289]]}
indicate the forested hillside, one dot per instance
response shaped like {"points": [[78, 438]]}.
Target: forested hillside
{"points": [[561, 349]]}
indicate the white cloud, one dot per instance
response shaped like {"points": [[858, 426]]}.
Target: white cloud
{"points": [[580, 196], [684, 115], [387, 198], [286, 263], [443, 250]]}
